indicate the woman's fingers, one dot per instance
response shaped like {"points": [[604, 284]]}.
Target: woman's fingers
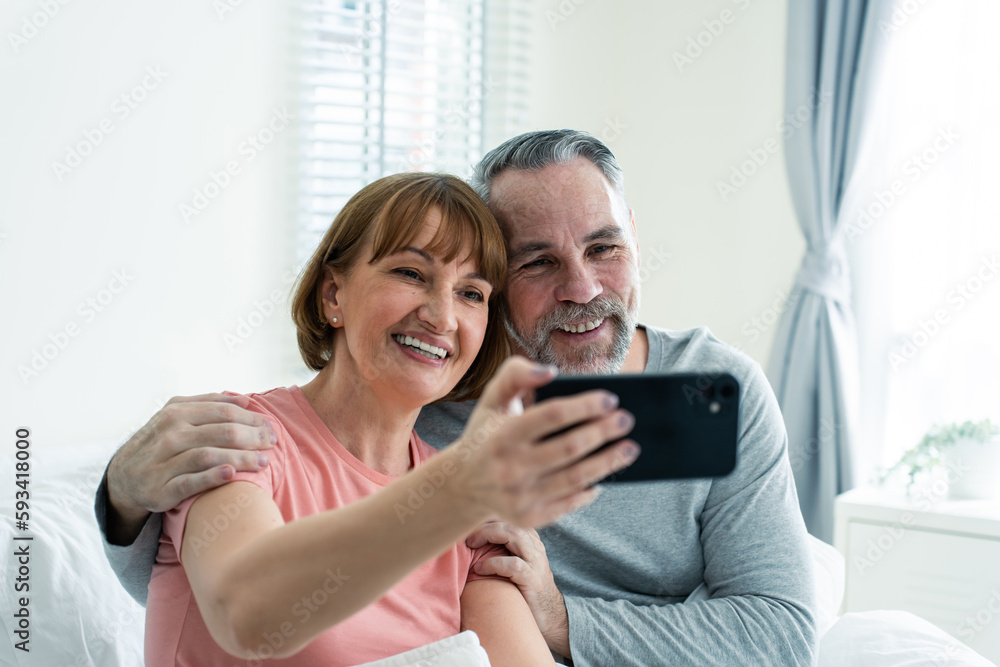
{"points": [[564, 449], [559, 414], [584, 474], [573, 488], [533, 467], [548, 497], [516, 377]]}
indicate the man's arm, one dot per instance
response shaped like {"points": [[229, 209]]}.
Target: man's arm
{"points": [[132, 564], [758, 570], [757, 567], [193, 444]]}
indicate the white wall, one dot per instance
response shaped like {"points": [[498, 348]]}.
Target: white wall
{"points": [[118, 211], [608, 67]]}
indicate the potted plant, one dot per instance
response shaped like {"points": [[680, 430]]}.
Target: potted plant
{"points": [[969, 452]]}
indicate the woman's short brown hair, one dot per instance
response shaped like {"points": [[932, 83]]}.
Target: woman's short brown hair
{"points": [[390, 212]]}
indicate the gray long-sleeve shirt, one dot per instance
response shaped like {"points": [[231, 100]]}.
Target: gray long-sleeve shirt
{"points": [[624, 562]]}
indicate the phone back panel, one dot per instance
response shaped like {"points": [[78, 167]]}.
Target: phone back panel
{"points": [[685, 423]]}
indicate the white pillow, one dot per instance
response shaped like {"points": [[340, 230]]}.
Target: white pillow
{"points": [[79, 613], [461, 650], [830, 580], [896, 638]]}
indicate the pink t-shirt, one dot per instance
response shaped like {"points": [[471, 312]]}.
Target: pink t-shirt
{"points": [[310, 472]]}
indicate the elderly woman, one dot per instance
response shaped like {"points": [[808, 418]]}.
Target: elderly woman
{"points": [[349, 546]]}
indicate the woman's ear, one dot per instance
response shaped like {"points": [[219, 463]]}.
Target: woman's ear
{"points": [[330, 290]]}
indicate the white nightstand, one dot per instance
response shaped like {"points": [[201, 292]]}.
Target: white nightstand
{"points": [[936, 558]]}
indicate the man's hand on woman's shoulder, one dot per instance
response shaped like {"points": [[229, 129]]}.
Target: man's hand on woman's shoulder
{"points": [[193, 444]]}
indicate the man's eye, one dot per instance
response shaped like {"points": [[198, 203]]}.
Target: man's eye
{"points": [[541, 261], [603, 249]]}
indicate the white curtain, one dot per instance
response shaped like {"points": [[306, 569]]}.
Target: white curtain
{"points": [[832, 47]]}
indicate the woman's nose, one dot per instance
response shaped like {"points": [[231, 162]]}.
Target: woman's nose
{"points": [[439, 312]]}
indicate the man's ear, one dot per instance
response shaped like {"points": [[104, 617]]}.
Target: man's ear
{"points": [[332, 297]]}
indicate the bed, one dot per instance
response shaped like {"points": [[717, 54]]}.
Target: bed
{"points": [[75, 613]]}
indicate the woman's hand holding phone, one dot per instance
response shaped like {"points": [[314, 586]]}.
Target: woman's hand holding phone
{"points": [[508, 464]]}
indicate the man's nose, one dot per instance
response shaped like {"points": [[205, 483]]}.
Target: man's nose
{"points": [[578, 284]]}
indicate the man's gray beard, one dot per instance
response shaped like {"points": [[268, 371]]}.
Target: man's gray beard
{"points": [[592, 359]]}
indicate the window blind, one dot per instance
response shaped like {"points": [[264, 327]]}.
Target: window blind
{"points": [[390, 86]]}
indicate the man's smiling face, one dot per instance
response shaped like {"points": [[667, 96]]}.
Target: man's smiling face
{"points": [[573, 284]]}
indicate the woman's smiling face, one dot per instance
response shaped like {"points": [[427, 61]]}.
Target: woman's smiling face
{"points": [[411, 324]]}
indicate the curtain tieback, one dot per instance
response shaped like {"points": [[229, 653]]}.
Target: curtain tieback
{"points": [[824, 271]]}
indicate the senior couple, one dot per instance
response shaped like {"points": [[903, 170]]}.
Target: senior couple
{"points": [[282, 523]]}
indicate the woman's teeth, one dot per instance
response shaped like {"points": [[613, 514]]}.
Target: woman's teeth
{"points": [[580, 328], [426, 349]]}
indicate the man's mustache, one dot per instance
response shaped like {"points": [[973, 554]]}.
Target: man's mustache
{"points": [[573, 312]]}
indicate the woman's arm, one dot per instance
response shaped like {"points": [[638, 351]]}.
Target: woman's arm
{"points": [[495, 610], [250, 577]]}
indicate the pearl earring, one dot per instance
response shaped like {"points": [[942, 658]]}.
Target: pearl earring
{"points": [[335, 320]]}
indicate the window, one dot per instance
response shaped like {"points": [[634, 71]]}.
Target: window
{"points": [[390, 86], [925, 227]]}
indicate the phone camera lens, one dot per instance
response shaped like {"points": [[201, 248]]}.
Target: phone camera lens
{"points": [[727, 391]]}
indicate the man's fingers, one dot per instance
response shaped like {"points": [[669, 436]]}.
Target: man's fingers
{"points": [[203, 459], [182, 487], [219, 412], [517, 540], [222, 436], [495, 532], [511, 567], [239, 399], [481, 536]]}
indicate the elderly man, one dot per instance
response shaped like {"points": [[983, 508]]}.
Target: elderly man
{"points": [[604, 584]]}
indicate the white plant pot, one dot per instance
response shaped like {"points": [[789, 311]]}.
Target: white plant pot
{"points": [[973, 469]]}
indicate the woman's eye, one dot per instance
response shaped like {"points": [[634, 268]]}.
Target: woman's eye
{"points": [[408, 273], [473, 295]]}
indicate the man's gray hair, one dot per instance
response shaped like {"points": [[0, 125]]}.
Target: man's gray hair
{"points": [[532, 151]]}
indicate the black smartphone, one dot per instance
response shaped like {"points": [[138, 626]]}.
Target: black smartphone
{"points": [[686, 423]]}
